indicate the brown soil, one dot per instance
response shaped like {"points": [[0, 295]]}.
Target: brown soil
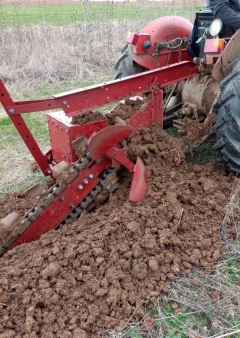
{"points": [[194, 133], [88, 117], [121, 111], [125, 110], [16, 201], [34, 167], [114, 262]]}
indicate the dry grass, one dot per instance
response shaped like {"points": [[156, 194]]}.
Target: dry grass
{"points": [[15, 159], [48, 53]]}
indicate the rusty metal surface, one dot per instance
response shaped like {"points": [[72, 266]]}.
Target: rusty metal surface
{"points": [[199, 94], [223, 65]]}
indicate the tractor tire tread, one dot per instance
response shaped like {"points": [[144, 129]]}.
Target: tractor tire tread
{"points": [[125, 65], [227, 127]]}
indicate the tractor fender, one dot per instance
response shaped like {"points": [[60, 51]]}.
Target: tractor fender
{"points": [[223, 66], [164, 29]]}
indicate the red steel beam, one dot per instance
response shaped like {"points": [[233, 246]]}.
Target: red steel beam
{"points": [[24, 132], [82, 100]]}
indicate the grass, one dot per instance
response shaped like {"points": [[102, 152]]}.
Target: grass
{"points": [[15, 159], [204, 315], [66, 15], [203, 153]]}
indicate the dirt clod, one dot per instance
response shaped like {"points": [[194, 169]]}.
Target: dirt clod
{"points": [[106, 267], [88, 117], [125, 110]]}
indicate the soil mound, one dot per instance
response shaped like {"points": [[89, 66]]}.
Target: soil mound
{"points": [[88, 117], [194, 133], [113, 263], [123, 110], [126, 109]]}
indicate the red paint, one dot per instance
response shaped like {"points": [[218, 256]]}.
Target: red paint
{"points": [[213, 46], [163, 29], [106, 138], [63, 135], [139, 183], [132, 38]]}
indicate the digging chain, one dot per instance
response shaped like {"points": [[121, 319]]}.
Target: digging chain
{"points": [[56, 190]]}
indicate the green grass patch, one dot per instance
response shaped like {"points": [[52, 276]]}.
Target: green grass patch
{"points": [[178, 325], [232, 272], [65, 15], [173, 131], [203, 153], [37, 123], [15, 161], [174, 325]]}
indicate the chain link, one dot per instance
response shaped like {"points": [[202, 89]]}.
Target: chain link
{"points": [[179, 54], [36, 211]]}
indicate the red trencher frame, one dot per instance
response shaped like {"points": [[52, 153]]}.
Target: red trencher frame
{"points": [[82, 100]]}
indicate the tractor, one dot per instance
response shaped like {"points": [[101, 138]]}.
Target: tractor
{"points": [[83, 159], [214, 89]]}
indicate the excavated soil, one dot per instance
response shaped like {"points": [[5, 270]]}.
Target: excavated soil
{"points": [[194, 133], [16, 201], [125, 110], [122, 111], [113, 263], [88, 117]]}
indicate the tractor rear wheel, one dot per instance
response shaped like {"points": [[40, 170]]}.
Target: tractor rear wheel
{"points": [[126, 66], [227, 127]]}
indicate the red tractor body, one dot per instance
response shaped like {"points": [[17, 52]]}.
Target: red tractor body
{"points": [[163, 29]]}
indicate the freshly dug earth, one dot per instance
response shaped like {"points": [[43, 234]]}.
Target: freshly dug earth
{"points": [[113, 263], [126, 110], [15, 201], [88, 117], [194, 133], [123, 110]]}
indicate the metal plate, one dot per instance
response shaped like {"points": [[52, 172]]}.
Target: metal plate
{"points": [[139, 183], [106, 138]]}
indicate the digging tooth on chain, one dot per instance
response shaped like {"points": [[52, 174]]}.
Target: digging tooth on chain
{"points": [[25, 222], [88, 199], [48, 201], [9, 241]]}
